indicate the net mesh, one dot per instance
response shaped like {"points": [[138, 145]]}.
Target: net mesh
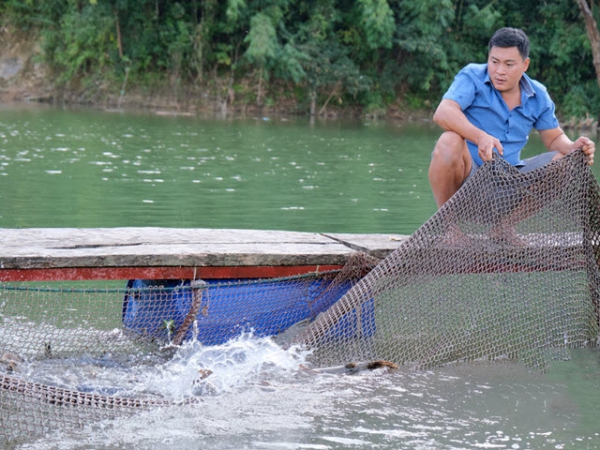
{"points": [[507, 268], [55, 340]]}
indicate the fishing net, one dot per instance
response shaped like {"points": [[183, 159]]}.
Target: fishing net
{"points": [[61, 346], [507, 268]]}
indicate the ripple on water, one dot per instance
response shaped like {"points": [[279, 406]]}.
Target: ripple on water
{"points": [[260, 396]]}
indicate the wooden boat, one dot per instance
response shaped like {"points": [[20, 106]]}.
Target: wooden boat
{"points": [[59, 254], [264, 281]]}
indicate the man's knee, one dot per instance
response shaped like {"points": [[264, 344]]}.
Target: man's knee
{"points": [[449, 148]]}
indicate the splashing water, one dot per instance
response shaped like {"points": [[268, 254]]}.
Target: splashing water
{"points": [[192, 370], [240, 363]]}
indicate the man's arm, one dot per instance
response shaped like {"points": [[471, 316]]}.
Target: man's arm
{"points": [[449, 117], [555, 139]]}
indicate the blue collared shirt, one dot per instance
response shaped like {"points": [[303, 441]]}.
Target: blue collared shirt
{"points": [[485, 108]]}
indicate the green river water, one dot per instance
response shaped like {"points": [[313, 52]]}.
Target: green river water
{"points": [[93, 168], [99, 169]]}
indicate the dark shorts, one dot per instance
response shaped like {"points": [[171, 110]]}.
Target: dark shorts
{"points": [[535, 162]]}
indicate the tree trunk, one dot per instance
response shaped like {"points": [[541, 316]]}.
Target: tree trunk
{"points": [[119, 42], [335, 88], [313, 102], [260, 76], [593, 34]]}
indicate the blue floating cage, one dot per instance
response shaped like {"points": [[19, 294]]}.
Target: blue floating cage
{"points": [[227, 308]]}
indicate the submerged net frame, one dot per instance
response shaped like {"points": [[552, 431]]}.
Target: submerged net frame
{"points": [[507, 269]]}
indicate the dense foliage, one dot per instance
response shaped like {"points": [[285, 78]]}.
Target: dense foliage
{"points": [[314, 53]]}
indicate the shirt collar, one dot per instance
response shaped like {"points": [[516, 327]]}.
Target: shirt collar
{"points": [[526, 86]]}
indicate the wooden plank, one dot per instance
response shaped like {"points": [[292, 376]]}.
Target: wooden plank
{"points": [[378, 245], [73, 238], [174, 253], [40, 252]]}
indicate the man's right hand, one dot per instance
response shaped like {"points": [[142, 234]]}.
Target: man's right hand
{"points": [[450, 117], [486, 145]]}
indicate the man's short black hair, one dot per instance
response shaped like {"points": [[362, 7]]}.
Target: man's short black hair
{"points": [[511, 37]]}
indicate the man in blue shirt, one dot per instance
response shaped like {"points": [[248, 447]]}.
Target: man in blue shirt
{"points": [[495, 106]]}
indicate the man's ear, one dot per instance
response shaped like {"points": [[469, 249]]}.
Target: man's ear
{"points": [[526, 63]]}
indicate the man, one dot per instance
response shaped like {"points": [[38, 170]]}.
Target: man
{"points": [[493, 107]]}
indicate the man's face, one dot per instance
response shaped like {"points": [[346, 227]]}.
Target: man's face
{"points": [[506, 67]]}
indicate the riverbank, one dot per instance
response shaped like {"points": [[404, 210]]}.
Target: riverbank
{"points": [[25, 87], [23, 78], [24, 81]]}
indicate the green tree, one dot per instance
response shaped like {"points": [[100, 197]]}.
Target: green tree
{"points": [[593, 36], [378, 23], [368, 53], [262, 46]]}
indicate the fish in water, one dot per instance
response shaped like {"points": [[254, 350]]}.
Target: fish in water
{"points": [[10, 361], [372, 365], [352, 368]]}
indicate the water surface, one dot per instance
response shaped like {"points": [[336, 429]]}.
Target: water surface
{"points": [[89, 168], [62, 168]]}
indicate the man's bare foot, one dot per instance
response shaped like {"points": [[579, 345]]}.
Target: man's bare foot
{"points": [[506, 235], [455, 237]]}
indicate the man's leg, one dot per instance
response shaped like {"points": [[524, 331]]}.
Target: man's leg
{"points": [[450, 166], [528, 205], [537, 161]]}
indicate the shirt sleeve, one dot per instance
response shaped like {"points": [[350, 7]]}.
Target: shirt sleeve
{"points": [[462, 90], [547, 118]]}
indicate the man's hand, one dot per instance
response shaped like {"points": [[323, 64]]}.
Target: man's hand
{"points": [[449, 117], [486, 145], [555, 139], [588, 147]]}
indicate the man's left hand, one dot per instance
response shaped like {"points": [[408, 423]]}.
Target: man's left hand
{"points": [[588, 147]]}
